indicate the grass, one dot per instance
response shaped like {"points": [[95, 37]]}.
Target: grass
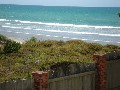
{"points": [[42, 55]]}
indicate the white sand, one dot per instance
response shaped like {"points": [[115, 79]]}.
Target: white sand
{"points": [[19, 41]]}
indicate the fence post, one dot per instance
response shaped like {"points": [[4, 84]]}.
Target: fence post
{"points": [[40, 80], [101, 74]]}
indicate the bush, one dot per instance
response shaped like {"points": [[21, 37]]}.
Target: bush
{"points": [[119, 14], [33, 39], [11, 46], [3, 39]]}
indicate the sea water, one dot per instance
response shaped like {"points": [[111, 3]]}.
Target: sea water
{"points": [[90, 24]]}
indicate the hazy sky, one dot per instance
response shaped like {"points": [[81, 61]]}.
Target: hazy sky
{"points": [[85, 3]]}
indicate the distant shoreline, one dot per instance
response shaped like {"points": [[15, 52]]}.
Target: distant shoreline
{"points": [[62, 6]]}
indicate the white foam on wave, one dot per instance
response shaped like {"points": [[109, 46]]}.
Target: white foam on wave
{"points": [[39, 34], [60, 31], [3, 20], [5, 26], [70, 25], [27, 33], [11, 27], [9, 31], [96, 40], [83, 33], [38, 29], [55, 31], [113, 35], [7, 23], [29, 22], [66, 37], [18, 32], [17, 20], [84, 39], [15, 27], [74, 38], [28, 28], [48, 35], [56, 36], [55, 24], [118, 42], [106, 27], [108, 41], [24, 21], [18, 24], [64, 25]]}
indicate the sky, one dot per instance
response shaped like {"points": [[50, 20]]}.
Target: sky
{"points": [[81, 3]]}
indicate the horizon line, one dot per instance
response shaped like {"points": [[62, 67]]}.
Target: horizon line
{"points": [[59, 5]]}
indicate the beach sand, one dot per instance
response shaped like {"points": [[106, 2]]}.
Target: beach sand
{"points": [[19, 41]]}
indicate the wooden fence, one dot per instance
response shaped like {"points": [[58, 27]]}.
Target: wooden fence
{"points": [[70, 68], [78, 76], [113, 75], [113, 70], [82, 81], [25, 84]]}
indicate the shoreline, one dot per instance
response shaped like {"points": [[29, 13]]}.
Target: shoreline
{"points": [[23, 41], [43, 38], [16, 40]]}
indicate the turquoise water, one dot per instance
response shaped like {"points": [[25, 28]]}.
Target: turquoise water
{"points": [[101, 25]]}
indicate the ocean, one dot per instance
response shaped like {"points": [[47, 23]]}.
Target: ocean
{"points": [[90, 24]]}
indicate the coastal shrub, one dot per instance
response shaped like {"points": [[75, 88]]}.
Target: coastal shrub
{"points": [[11, 46], [48, 53], [47, 44], [93, 47], [109, 48], [112, 47], [118, 14], [3, 39], [1, 48], [33, 39], [60, 43]]}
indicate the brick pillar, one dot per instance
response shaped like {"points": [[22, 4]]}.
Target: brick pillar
{"points": [[40, 80], [101, 73]]}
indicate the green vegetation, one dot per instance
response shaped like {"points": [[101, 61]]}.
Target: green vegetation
{"points": [[2, 38], [32, 39], [41, 55], [11, 46], [119, 14], [8, 46]]}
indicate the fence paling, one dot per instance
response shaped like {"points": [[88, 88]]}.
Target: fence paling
{"points": [[82, 81], [17, 85]]}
